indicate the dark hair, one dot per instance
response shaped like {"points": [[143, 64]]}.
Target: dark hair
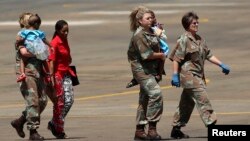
{"points": [[59, 25], [35, 21], [187, 19]]}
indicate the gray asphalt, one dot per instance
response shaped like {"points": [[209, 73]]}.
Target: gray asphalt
{"points": [[104, 110]]}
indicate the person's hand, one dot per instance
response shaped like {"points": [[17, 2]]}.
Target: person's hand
{"points": [[160, 26], [158, 32], [163, 57], [51, 50], [175, 80], [225, 69], [48, 80]]}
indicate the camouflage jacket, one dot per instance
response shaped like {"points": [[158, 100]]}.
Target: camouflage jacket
{"points": [[142, 45], [191, 54]]}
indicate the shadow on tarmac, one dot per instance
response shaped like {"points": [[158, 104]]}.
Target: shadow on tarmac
{"points": [[165, 139], [70, 138]]}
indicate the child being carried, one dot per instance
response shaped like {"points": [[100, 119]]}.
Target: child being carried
{"points": [[35, 42]]}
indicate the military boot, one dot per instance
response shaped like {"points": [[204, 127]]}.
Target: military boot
{"points": [[140, 133], [177, 133], [35, 136], [152, 133], [18, 125]]}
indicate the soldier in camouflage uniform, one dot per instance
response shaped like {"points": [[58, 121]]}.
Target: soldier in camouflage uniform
{"points": [[188, 71], [144, 56], [32, 90]]}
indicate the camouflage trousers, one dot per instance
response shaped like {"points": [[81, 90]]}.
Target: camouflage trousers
{"points": [[190, 98], [36, 100], [65, 100], [150, 106]]}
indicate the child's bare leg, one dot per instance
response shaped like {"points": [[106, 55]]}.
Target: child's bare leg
{"points": [[22, 69], [22, 66]]}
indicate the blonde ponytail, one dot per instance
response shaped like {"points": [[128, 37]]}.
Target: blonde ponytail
{"points": [[136, 15]]}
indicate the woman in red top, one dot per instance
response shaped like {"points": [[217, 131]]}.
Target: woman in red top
{"points": [[60, 61]]}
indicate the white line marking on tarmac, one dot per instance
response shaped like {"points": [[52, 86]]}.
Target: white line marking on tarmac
{"points": [[52, 23], [126, 12], [191, 4], [88, 23]]}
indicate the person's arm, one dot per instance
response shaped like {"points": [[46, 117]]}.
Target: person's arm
{"points": [[47, 42], [146, 51], [20, 46], [176, 59], [52, 58], [25, 52], [160, 33], [52, 71], [157, 31], [156, 55], [175, 77], [216, 61], [175, 67]]}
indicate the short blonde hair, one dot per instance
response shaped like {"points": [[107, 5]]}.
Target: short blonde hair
{"points": [[24, 19]]}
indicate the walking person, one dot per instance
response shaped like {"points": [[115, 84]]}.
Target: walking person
{"points": [[157, 28], [144, 57], [188, 71], [35, 42], [60, 61], [32, 89]]}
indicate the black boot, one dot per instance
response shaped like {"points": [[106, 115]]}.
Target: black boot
{"points": [[132, 83], [51, 127], [177, 133], [140, 133], [61, 136], [18, 125], [35, 136], [152, 132]]}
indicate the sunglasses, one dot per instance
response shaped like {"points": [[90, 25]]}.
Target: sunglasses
{"points": [[195, 23]]}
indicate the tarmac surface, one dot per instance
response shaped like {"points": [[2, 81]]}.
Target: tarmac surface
{"points": [[104, 110]]}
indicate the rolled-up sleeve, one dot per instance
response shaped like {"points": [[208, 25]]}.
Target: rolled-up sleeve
{"points": [[180, 51], [208, 51]]}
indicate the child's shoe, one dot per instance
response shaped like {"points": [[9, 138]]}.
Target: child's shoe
{"points": [[21, 77], [132, 83]]}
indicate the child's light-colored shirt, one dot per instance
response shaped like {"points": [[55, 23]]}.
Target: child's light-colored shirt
{"points": [[163, 41], [33, 41], [31, 35]]}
